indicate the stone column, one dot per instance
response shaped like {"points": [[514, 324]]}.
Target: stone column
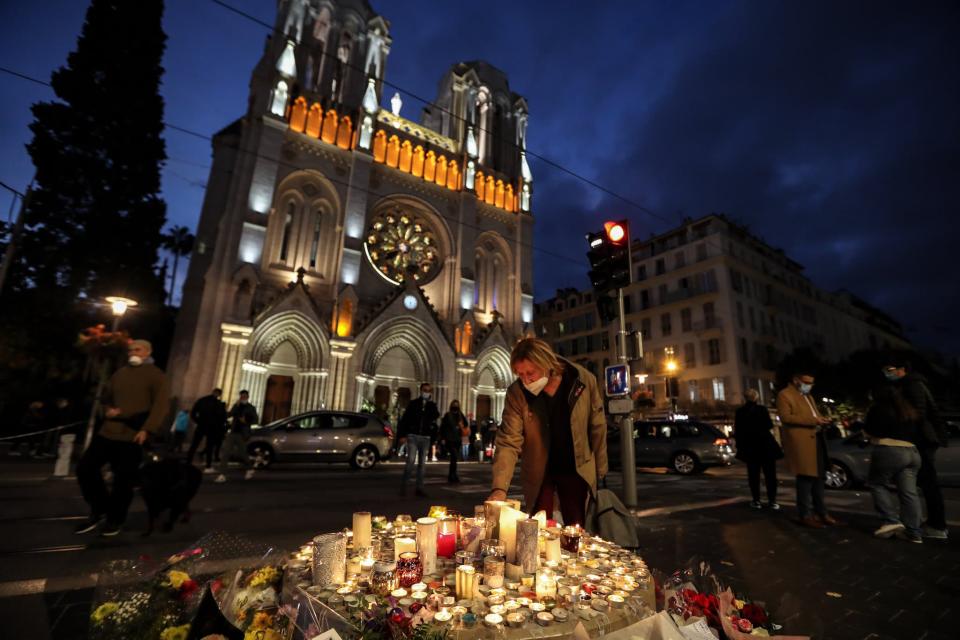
{"points": [[342, 351], [308, 390], [253, 378], [464, 374], [364, 389], [233, 343], [499, 400]]}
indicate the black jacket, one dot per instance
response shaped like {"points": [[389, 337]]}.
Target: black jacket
{"points": [[914, 388], [450, 427], [882, 421], [419, 419], [753, 431], [242, 417], [209, 412]]}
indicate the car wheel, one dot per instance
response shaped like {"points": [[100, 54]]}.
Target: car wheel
{"points": [[261, 456], [365, 457], [838, 476], [684, 463]]}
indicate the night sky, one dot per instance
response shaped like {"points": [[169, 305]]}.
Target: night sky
{"points": [[829, 128]]}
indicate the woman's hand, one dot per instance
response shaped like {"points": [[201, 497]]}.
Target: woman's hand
{"points": [[497, 494]]}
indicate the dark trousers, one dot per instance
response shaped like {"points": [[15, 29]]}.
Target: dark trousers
{"points": [[124, 460], [571, 491], [213, 438], [452, 451], [769, 468], [928, 482], [810, 496]]}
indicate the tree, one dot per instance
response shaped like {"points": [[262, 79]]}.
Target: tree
{"points": [[94, 221], [179, 242]]}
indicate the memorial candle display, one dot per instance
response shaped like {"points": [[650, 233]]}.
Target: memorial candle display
{"points": [[528, 545], [552, 548], [471, 532], [427, 543], [491, 515], [402, 545], [409, 569], [546, 583], [329, 559], [570, 539], [466, 582], [447, 538], [509, 517], [493, 572], [362, 525]]}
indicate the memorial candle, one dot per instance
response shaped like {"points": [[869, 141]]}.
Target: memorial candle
{"points": [[427, 543], [491, 509], [402, 545], [361, 529], [466, 581], [447, 538], [508, 530], [528, 533], [471, 532], [552, 548]]}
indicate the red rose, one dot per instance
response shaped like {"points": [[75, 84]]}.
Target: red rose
{"points": [[744, 625], [755, 614], [188, 587]]}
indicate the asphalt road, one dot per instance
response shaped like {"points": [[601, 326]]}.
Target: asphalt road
{"points": [[838, 583]]}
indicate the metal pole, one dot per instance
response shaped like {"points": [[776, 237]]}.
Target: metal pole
{"points": [[14, 240], [628, 463], [98, 397]]}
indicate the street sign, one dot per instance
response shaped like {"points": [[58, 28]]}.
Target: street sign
{"points": [[620, 406], [618, 379]]}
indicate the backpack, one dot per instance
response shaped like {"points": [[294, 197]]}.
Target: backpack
{"points": [[610, 519]]}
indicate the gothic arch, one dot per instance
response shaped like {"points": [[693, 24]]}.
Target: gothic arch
{"points": [[493, 263], [411, 336], [307, 338], [496, 359], [302, 228]]}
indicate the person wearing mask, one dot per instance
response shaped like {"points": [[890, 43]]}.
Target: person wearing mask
{"points": [[892, 426], [757, 448], [931, 435], [415, 429], [554, 423], [451, 425], [210, 415], [243, 416], [136, 402], [805, 448]]}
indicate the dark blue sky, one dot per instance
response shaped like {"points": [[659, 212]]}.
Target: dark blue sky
{"points": [[830, 128]]}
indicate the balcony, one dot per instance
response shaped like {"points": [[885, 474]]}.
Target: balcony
{"points": [[708, 325]]}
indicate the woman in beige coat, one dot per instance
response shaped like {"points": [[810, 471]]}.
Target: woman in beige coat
{"points": [[555, 424]]}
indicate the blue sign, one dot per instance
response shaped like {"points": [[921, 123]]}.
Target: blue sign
{"points": [[617, 377]]}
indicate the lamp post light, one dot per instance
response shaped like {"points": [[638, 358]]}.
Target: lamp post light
{"points": [[671, 368], [119, 306]]}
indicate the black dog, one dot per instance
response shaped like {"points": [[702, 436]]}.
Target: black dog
{"points": [[168, 484]]}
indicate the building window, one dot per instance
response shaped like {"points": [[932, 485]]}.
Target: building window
{"points": [[627, 303], [645, 299], [561, 328], [678, 260], [719, 393], [287, 226], [693, 389], [642, 272], [713, 350], [686, 320], [665, 327], [689, 355], [315, 247], [701, 251], [660, 267], [736, 281], [744, 351], [709, 318], [645, 330], [753, 321], [588, 321], [662, 294], [604, 342], [740, 314]]}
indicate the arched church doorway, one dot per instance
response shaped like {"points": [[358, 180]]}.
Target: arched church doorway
{"points": [[278, 399], [397, 382]]}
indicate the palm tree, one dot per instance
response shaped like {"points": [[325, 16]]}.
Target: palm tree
{"points": [[178, 241]]}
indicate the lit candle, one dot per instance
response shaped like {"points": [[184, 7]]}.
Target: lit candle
{"points": [[353, 565], [493, 619], [537, 607], [552, 548], [491, 511], [546, 583], [447, 538], [509, 517], [465, 581], [402, 545], [361, 529], [443, 616], [471, 532], [493, 571], [615, 601], [399, 593], [544, 618], [528, 532], [427, 543], [419, 586]]}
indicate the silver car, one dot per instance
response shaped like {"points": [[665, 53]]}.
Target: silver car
{"points": [[684, 446], [322, 436]]}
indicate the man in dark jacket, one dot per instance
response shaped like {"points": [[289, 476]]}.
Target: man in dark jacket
{"points": [[243, 416], [932, 435], [210, 415], [415, 429], [136, 402], [756, 446]]}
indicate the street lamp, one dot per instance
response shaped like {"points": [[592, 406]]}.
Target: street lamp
{"points": [[119, 306], [671, 367]]}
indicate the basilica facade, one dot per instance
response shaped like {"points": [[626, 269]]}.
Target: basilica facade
{"points": [[346, 253]]}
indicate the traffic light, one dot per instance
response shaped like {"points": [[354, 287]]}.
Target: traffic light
{"points": [[609, 256]]}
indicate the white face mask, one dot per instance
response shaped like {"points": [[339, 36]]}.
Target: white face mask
{"points": [[135, 361], [805, 388], [537, 385]]}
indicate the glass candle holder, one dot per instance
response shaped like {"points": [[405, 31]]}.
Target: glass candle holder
{"points": [[570, 539], [447, 537], [464, 557], [427, 543], [409, 569], [383, 580], [362, 528], [546, 583], [329, 559], [493, 571], [551, 547], [492, 547], [466, 581], [471, 533]]}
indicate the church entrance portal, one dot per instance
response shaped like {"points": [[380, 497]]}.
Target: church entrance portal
{"points": [[278, 400]]}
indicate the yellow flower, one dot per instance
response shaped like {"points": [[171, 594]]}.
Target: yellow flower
{"points": [[177, 578], [261, 620], [739, 604], [175, 633], [262, 634], [103, 611], [266, 575]]}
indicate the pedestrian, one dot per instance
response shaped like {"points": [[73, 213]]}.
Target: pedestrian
{"points": [[415, 429], [135, 404], [209, 413], [805, 448], [757, 448], [555, 424], [451, 426], [243, 416], [181, 424], [892, 426], [465, 441], [932, 434]]}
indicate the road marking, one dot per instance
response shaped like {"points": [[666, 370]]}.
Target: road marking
{"points": [[37, 550], [689, 506]]}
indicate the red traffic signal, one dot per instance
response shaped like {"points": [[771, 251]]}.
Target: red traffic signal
{"points": [[615, 231]]}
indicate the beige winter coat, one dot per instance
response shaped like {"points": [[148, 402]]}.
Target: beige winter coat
{"points": [[521, 435], [799, 418]]}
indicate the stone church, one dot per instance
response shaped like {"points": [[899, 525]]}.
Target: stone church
{"points": [[345, 253]]}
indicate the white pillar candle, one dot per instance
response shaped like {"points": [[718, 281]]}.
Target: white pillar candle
{"points": [[552, 548], [528, 545], [508, 530], [402, 545], [491, 510], [361, 529], [465, 582], [427, 543]]}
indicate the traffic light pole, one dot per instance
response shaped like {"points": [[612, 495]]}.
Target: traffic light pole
{"points": [[628, 463]]}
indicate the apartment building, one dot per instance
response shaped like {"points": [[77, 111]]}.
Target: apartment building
{"points": [[718, 308], [570, 323]]}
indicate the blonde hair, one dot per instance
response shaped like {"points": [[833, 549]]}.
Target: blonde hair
{"points": [[537, 352]]}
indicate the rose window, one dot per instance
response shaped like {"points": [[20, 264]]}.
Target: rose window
{"points": [[401, 246]]}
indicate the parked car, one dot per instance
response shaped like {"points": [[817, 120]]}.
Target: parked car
{"points": [[684, 446], [849, 461], [322, 436]]}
